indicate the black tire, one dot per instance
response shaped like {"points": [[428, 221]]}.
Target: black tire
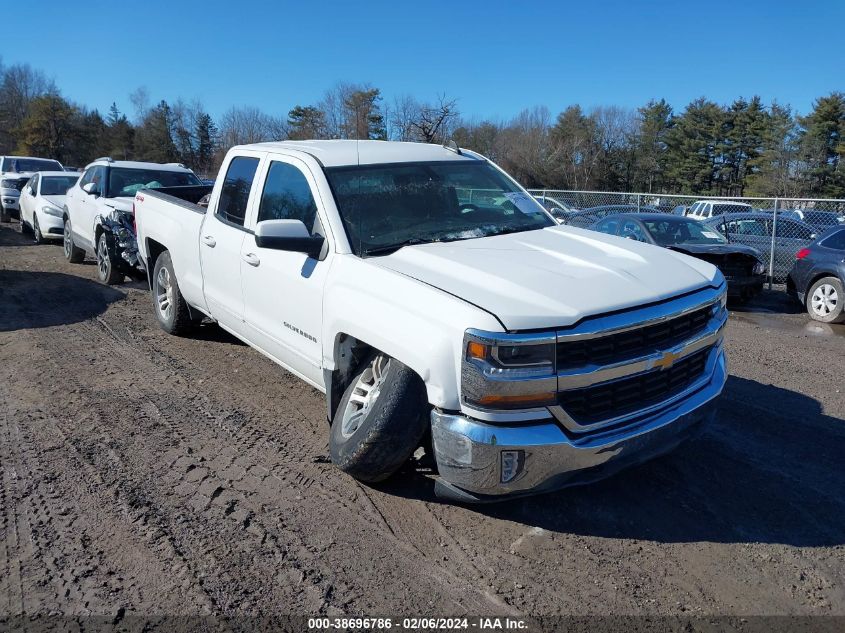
{"points": [[830, 308], [37, 236], [107, 267], [25, 229], [178, 319], [388, 431], [5, 216], [73, 253]]}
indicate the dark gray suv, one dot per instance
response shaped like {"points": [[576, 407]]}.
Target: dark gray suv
{"points": [[818, 276]]}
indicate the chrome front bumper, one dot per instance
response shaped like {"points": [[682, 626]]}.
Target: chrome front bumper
{"points": [[469, 452]]}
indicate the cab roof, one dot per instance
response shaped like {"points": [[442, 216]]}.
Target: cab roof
{"points": [[343, 153]]}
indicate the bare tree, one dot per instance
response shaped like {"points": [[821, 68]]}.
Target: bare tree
{"points": [[19, 86], [433, 120]]}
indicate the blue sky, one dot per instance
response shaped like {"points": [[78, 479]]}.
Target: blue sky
{"points": [[495, 57]]}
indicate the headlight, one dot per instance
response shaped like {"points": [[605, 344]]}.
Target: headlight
{"points": [[508, 371], [50, 210], [759, 268]]}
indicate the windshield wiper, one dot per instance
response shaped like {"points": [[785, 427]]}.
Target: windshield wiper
{"points": [[389, 248]]}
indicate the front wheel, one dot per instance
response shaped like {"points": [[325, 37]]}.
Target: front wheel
{"points": [[106, 266], [73, 253], [37, 236], [826, 301], [380, 419], [5, 216], [171, 310]]}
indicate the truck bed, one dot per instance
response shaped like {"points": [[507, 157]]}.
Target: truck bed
{"points": [[186, 196]]}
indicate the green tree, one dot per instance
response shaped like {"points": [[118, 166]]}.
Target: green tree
{"points": [[776, 172], [650, 155], [50, 129], [154, 136], [692, 148], [207, 138], [823, 146], [364, 119], [306, 122]]}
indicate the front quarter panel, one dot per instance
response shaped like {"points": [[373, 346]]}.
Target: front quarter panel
{"points": [[419, 325]]}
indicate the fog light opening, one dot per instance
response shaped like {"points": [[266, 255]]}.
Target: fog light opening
{"points": [[512, 464]]}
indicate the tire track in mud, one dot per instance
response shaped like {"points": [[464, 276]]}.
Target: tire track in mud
{"points": [[278, 481]]}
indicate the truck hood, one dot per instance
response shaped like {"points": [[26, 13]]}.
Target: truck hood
{"points": [[551, 277]]}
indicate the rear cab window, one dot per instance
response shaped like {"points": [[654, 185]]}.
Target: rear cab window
{"points": [[234, 194]]}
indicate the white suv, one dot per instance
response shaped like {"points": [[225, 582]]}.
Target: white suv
{"points": [[706, 209], [100, 204], [15, 171]]}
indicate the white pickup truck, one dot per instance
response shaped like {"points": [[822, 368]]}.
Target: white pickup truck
{"points": [[437, 304]]}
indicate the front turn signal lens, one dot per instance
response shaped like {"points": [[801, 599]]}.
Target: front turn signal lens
{"points": [[476, 350], [521, 401]]}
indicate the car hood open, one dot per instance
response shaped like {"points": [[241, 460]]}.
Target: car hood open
{"points": [[551, 277]]}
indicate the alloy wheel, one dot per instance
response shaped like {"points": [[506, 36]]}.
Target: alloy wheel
{"points": [[164, 294], [365, 393]]}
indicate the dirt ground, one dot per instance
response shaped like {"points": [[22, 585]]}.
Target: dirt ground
{"points": [[152, 475]]}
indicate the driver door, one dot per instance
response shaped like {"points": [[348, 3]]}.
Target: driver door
{"points": [[27, 200]]}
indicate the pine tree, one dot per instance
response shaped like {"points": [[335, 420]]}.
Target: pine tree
{"points": [[823, 146]]}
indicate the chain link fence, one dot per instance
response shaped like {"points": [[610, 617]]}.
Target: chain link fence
{"points": [[777, 228]]}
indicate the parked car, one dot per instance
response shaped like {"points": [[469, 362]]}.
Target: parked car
{"points": [[817, 278], [15, 171], [755, 230], [42, 204], [98, 212], [586, 218], [823, 220], [560, 210], [706, 209], [741, 265], [536, 355]]}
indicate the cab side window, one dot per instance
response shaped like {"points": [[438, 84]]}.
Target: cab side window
{"points": [[287, 196], [835, 241], [236, 187]]}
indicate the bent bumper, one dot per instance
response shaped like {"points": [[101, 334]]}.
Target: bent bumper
{"points": [[470, 453], [744, 286]]}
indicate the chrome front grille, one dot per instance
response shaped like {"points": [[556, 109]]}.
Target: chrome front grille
{"points": [[609, 400], [613, 348], [617, 368]]}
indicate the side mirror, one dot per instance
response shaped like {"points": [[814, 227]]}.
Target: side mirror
{"points": [[288, 235], [91, 189]]}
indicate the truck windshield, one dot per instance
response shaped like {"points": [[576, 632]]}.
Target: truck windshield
{"points": [[385, 207], [126, 182]]}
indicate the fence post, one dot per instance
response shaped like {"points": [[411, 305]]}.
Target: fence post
{"points": [[544, 197], [638, 203], [772, 252]]}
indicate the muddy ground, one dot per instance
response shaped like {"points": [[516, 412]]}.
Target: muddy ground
{"points": [[152, 475]]}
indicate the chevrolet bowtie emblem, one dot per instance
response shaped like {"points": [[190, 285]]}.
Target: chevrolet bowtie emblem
{"points": [[667, 360]]}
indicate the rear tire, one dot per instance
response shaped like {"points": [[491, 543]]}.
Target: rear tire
{"points": [[106, 266], [825, 301], [73, 253], [380, 419], [5, 216], [171, 311]]}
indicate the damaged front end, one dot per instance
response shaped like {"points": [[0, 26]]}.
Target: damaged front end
{"points": [[123, 243]]}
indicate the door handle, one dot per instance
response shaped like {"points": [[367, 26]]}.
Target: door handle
{"points": [[251, 259], [208, 240]]}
